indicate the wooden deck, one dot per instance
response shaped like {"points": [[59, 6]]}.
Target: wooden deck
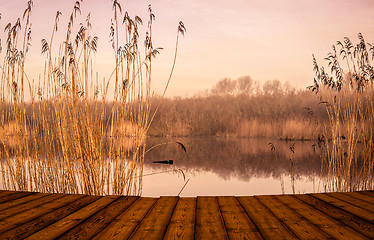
{"points": [[305, 216]]}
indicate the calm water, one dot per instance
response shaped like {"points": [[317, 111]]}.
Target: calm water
{"points": [[232, 166]]}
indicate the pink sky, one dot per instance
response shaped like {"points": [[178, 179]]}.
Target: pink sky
{"points": [[264, 39]]}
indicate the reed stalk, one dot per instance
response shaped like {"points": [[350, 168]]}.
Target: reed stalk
{"points": [[64, 139], [347, 93]]}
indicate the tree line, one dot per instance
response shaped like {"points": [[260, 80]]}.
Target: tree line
{"points": [[241, 107]]}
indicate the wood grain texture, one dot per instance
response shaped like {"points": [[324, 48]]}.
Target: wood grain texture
{"points": [[154, 224], [303, 216], [182, 223], [368, 206], [18, 201], [209, 222], [36, 224], [354, 222], [126, 223], [302, 228], [327, 224], [11, 195], [362, 196], [24, 216], [268, 225], [345, 206], [14, 210], [237, 222], [98, 221], [60, 227]]}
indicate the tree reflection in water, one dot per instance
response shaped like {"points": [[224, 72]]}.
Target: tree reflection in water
{"points": [[226, 163]]}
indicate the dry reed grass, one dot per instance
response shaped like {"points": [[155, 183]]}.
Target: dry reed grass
{"points": [[67, 124], [288, 129], [283, 114], [127, 134], [348, 95], [12, 134]]}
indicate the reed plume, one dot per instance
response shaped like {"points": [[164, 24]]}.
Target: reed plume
{"points": [[64, 139], [346, 90]]}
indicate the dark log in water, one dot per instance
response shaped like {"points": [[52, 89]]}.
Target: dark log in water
{"points": [[164, 162]]}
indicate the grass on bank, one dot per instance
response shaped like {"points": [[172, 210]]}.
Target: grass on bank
{"points": [[346, 90], [65, 139]]}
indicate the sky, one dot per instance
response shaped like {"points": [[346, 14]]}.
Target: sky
{"points": [[267, 40]]}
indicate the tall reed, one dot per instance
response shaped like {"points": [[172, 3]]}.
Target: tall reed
{"points": [[347, 93], [64, 139]]}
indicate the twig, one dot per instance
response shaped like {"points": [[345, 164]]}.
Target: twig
{"points": [[183, 186]]}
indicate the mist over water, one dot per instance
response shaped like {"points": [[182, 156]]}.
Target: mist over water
{"points": [[231, 166]]}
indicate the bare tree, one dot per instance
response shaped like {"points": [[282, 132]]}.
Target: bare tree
{"points": [[225, 86], [245, 85], [272, 87]]}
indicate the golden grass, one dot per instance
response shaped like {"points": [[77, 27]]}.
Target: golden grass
{"points": [[347, 141], [288, 129], [65, 139], [348, 95], [12, 134], [127, 134]]}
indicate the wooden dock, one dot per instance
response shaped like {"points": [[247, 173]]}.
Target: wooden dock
{"points": [[302, 216]]}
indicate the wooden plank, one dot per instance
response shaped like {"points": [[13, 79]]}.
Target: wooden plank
{"points": [[360, 195], [22, 217], [267, 224], [6, 193], [209, 221], [154, 224], [182, 223], [124, 224], [94, 224], [9, 196], [354, 201], [371, 193], [40, 222], [329, 225], [345, 206], [29, 205], [49, 216], [354, 222], [238, 225], [302, 228], [58, 228], [21, 200]]}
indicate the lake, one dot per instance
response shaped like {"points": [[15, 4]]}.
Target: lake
{"points": [[209, 166], [231, 166]]}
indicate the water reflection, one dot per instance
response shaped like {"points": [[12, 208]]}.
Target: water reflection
{"points": [[212, 166], [232, 166]]}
